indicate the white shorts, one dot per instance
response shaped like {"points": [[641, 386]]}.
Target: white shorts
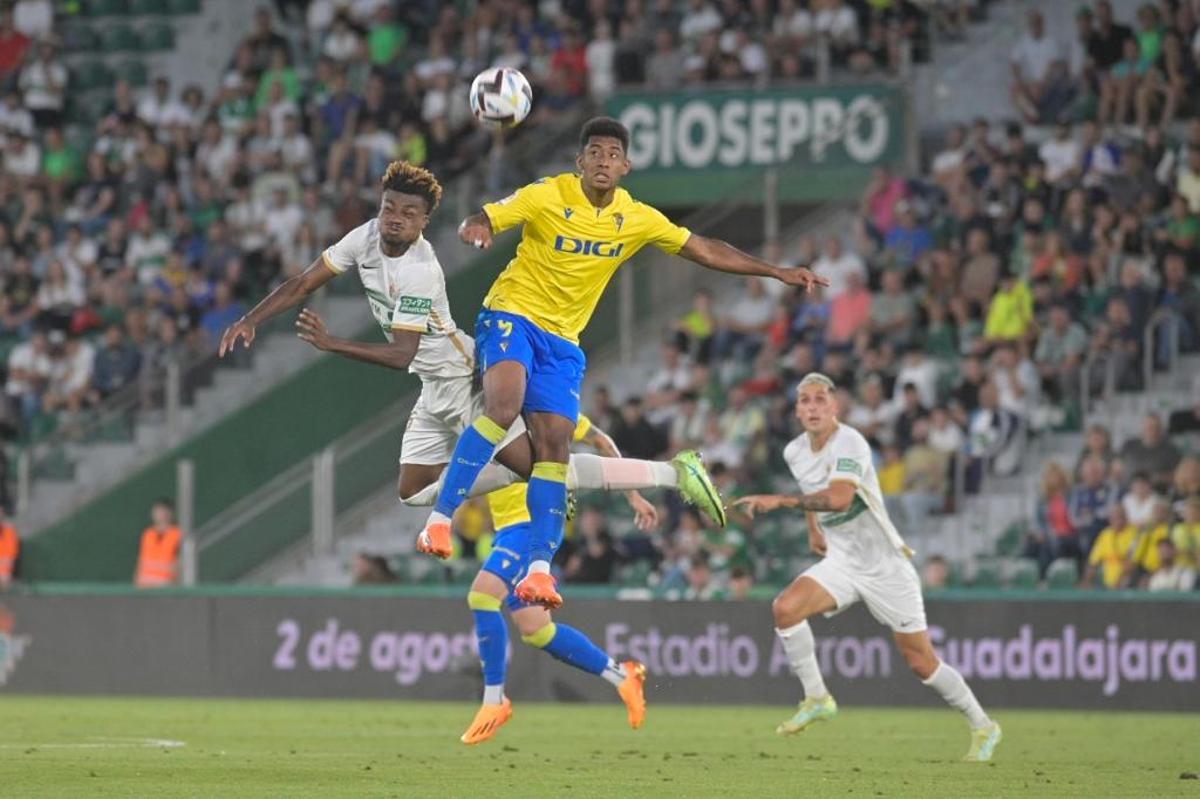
{"points": [[442, 412], [893, 594]]}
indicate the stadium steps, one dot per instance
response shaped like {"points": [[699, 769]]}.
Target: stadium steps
{"points": [[98, 466]]}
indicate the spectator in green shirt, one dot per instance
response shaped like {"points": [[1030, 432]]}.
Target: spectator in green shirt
{"points": [[60, 163], [387, 38], [280, 72]]}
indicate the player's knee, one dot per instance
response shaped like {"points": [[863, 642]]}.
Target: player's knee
{"points": [[923, 663], [788, 610], [503, 413], [481, 600]]}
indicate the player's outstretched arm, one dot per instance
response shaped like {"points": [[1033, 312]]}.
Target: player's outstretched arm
{"points": [[288, 294], [837, 497], [396, 354], [723, 257]]}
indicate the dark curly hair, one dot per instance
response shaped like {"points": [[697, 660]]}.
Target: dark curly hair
{"points": [[406, 178], [606, 127]]}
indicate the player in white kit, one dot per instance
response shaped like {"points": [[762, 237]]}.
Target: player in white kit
{"points": [[863, 558], [406, 289]]}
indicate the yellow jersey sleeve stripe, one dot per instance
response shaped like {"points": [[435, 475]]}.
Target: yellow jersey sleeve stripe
{"points": [[325, 259], [582, 428]]}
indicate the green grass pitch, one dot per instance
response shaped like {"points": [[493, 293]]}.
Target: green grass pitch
{"points": [[255, 748]]}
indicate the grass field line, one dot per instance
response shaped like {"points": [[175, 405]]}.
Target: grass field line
{"points": [[103, 743]]}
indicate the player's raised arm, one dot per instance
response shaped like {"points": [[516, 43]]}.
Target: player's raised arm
{"points": [[288, 294], [517, 208], [837, 498], [395, 354], [723, 257]]}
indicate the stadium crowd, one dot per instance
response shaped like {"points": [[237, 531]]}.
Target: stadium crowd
{"points": [[958, 322], [130, 237]]}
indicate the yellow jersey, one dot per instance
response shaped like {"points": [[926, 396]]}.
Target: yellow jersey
{"points": [[569, 250], [1111, 551], [508, 504]]}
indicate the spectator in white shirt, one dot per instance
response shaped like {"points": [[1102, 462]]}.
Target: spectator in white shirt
{"points": [[296, 150], [700, 20], [1016, 380], [1140, 503], [342, 44], [44, 84], [1171, 575], [72, 361], [28, 372], [949, 165], [284, 218], [600, 55], [1062, 155], [34, 18], [14, 117], [22, 157], [836, 264], [157, 108], [944, 435], [1032, 56]]}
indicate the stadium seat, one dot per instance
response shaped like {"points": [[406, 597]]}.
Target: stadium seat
{"points": [[106, 8], [183, 6], [79, 37], [1063, 575], [1009, 543], [120, 39], [1022, 574], [157, 37], [91, 75], [134, 72], [987, 575], [145, 8]]}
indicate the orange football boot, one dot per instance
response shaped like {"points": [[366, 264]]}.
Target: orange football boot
{"points": [[435, 540], [539, 588], [633, 692], [488, 721]]}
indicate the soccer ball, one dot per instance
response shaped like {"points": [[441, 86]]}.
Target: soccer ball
{"points": [[500, 97]]}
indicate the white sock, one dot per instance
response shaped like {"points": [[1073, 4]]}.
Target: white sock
{"points": [[614, 673], [539, 567], [493, 694], [801, 650], [954, 689], [492, 477], [587, 471]]}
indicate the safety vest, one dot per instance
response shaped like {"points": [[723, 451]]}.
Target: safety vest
{"points": [[10, 547], [158, 560]]}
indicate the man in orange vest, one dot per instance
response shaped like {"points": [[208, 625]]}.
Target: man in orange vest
{"points": [[158, 558], [10, 549]]}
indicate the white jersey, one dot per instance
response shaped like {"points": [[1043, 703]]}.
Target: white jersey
{"points": [[407, 293], [862, 537]]}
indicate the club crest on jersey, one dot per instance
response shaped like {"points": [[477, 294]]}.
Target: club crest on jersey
{"points": [[620, 220], [602, 249], [567, 212]]}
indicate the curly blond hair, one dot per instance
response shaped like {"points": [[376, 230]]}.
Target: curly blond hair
{"points": [[406, 178]]}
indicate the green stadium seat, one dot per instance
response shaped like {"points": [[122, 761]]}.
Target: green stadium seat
{"points": [[106, 8], [1023, 574], [92, 74], [1063, 575], [145, 8], [180, 7], [1010, 541], [134, 72], [158, 37], [120, 39], [987, 575], [80, 37]]}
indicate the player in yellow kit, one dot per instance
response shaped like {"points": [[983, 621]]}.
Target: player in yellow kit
{"points": [[492, 588], [578, 230]]}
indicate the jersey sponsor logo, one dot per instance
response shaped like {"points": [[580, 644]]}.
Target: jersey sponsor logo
{"points": [[415, 305], [601, 249], [848, 465]]}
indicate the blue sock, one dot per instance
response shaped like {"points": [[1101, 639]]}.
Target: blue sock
{"points": [[492, 635], [474, 449], [547, 502], [570, 646]]}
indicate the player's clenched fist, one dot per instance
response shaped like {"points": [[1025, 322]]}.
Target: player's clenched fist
{"points": [[239, 329], [476, 231]]}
